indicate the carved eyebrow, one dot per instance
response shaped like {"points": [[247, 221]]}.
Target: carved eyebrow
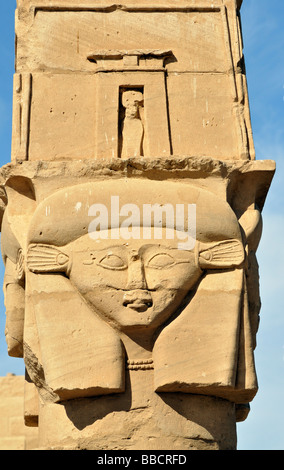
{"points": [[105, 248], [169, 250]]}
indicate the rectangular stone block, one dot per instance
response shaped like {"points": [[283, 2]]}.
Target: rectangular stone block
{"points": [[66, 105], [202, 91]]}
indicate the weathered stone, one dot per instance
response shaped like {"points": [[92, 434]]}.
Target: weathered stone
{"points": [[131, 217]]}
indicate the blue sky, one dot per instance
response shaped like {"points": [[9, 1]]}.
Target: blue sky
{"points": [[263, 33]]}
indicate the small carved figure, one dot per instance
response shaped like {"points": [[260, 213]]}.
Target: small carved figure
{"points": [[132, 126]]}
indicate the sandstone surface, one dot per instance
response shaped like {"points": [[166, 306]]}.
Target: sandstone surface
{"points": [[131, 214]]}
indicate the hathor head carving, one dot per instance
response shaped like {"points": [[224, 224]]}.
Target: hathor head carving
{"points": [[133, 281]]}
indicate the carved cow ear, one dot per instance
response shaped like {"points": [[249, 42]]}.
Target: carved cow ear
{"points": [[221, 255], [46, 259], [251, 222]]}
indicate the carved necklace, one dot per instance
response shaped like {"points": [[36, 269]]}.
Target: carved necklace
{"points": [[143, 364]]}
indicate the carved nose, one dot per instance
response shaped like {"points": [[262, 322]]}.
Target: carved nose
{"points": [[138, 297], [136, 277]]}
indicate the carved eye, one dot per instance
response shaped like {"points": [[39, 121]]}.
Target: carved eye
{"points": [[111, 261], [161, 261], [62, 259]]}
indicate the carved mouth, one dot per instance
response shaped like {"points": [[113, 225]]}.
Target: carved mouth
{"points": [[139, 301], [138, 305]]}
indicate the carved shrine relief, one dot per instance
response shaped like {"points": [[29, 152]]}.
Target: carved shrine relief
{"points": [[132, 108], [131, 124], [213, 105]]}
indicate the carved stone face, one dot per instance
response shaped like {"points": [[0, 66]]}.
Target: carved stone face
{"points": [[132, 283], [137, 284]]}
